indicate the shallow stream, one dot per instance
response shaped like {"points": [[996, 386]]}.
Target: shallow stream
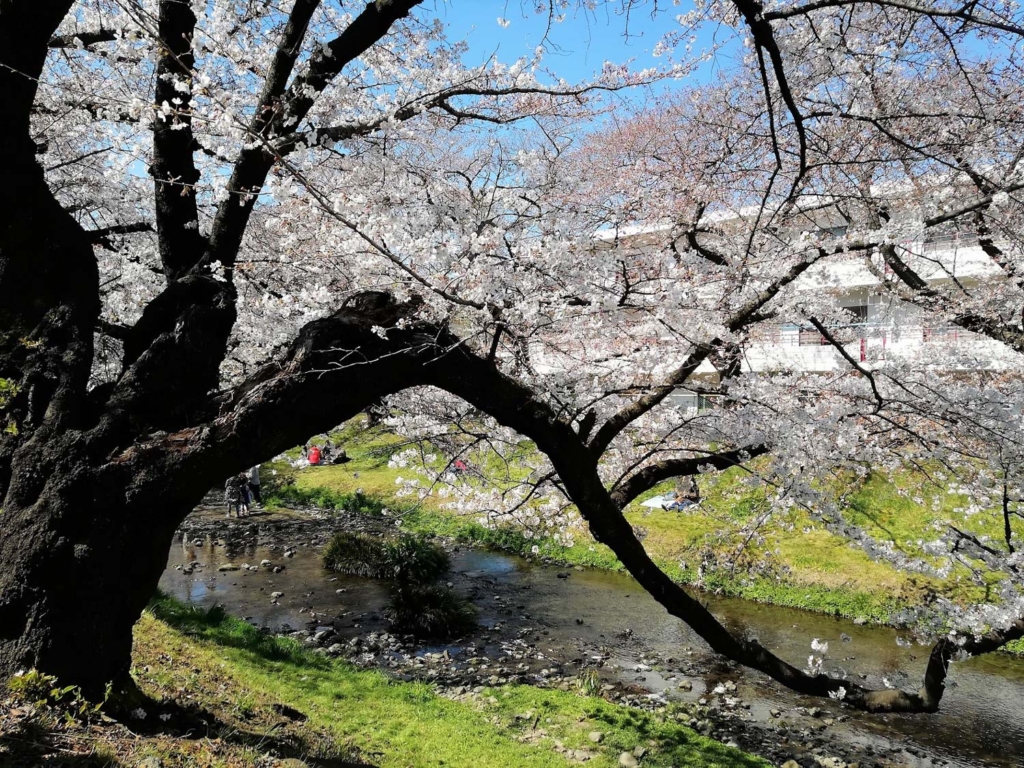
{"points": [[981, 721]]}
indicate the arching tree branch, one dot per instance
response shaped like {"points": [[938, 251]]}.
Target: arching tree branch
{"points": [[628, 489]]}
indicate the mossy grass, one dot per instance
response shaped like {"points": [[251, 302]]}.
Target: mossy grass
{"points": [[230, 669]]}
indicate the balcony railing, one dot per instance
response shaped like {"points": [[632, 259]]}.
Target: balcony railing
{"points": [[877, 334]]}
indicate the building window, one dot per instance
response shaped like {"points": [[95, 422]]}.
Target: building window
{"points": [[948, 240], [809, 337], [706, 402], [859, 313], [693, 402]]}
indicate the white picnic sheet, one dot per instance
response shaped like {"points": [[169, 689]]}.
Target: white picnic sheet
{"points": [[660, 502], [655, 502]]}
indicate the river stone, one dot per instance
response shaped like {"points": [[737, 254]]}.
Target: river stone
{"points": [[276, 595], [228, 567], [595, 736], [626, 760], [791, 764]]}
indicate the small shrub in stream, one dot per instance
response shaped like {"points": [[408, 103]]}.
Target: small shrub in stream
{"points": [[406, 559], [418, 561], [357, 555], [429, 610]]}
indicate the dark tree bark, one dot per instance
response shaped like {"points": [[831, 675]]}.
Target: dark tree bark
{"points": [[94, 483], [86, 534]]}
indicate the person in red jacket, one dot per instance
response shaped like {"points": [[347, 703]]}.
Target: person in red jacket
{"points": [[314, 455]]}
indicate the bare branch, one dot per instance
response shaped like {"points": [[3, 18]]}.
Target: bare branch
{"points": [[102, 236], [879, 402], [628, 489]]}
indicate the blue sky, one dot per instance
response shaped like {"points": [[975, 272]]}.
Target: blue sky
{"points": [[576, 48]]}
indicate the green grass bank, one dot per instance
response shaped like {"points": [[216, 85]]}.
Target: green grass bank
{"points": [[364, 715], [261, 701], [793, 561]]}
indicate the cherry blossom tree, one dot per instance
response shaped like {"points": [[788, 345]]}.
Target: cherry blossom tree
{"points": [[227, 228], [699, 223], [152, 267]]}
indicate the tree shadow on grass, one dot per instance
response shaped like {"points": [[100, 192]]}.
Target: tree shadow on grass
{"points": [[174, 721], [685, 746], [16, 755], [38, 748], [193, 722], [32, 743]]}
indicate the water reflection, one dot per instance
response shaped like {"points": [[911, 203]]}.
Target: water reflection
{"points": [[981, 722]]}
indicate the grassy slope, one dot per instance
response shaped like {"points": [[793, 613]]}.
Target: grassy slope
{"points": [[812, 568], [249, 698], [357, 713]]}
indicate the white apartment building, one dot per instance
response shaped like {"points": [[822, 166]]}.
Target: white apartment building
{"points": [[882, 330]]}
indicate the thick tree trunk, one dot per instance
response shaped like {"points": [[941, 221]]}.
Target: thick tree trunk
{"points": [[89, 515], [76, 598], [81, 560]]}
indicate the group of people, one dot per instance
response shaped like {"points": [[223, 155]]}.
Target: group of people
{"points": [[325, 454], [242, 492], [686, 495]]}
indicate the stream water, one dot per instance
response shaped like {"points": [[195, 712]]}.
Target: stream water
{"points": [[981, 721]]}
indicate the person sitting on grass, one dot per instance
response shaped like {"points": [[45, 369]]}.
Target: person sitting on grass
{"points": [[674, 501]]}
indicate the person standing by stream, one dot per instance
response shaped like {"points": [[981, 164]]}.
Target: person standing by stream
{"points": [[236, 494], [254, 485]]}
